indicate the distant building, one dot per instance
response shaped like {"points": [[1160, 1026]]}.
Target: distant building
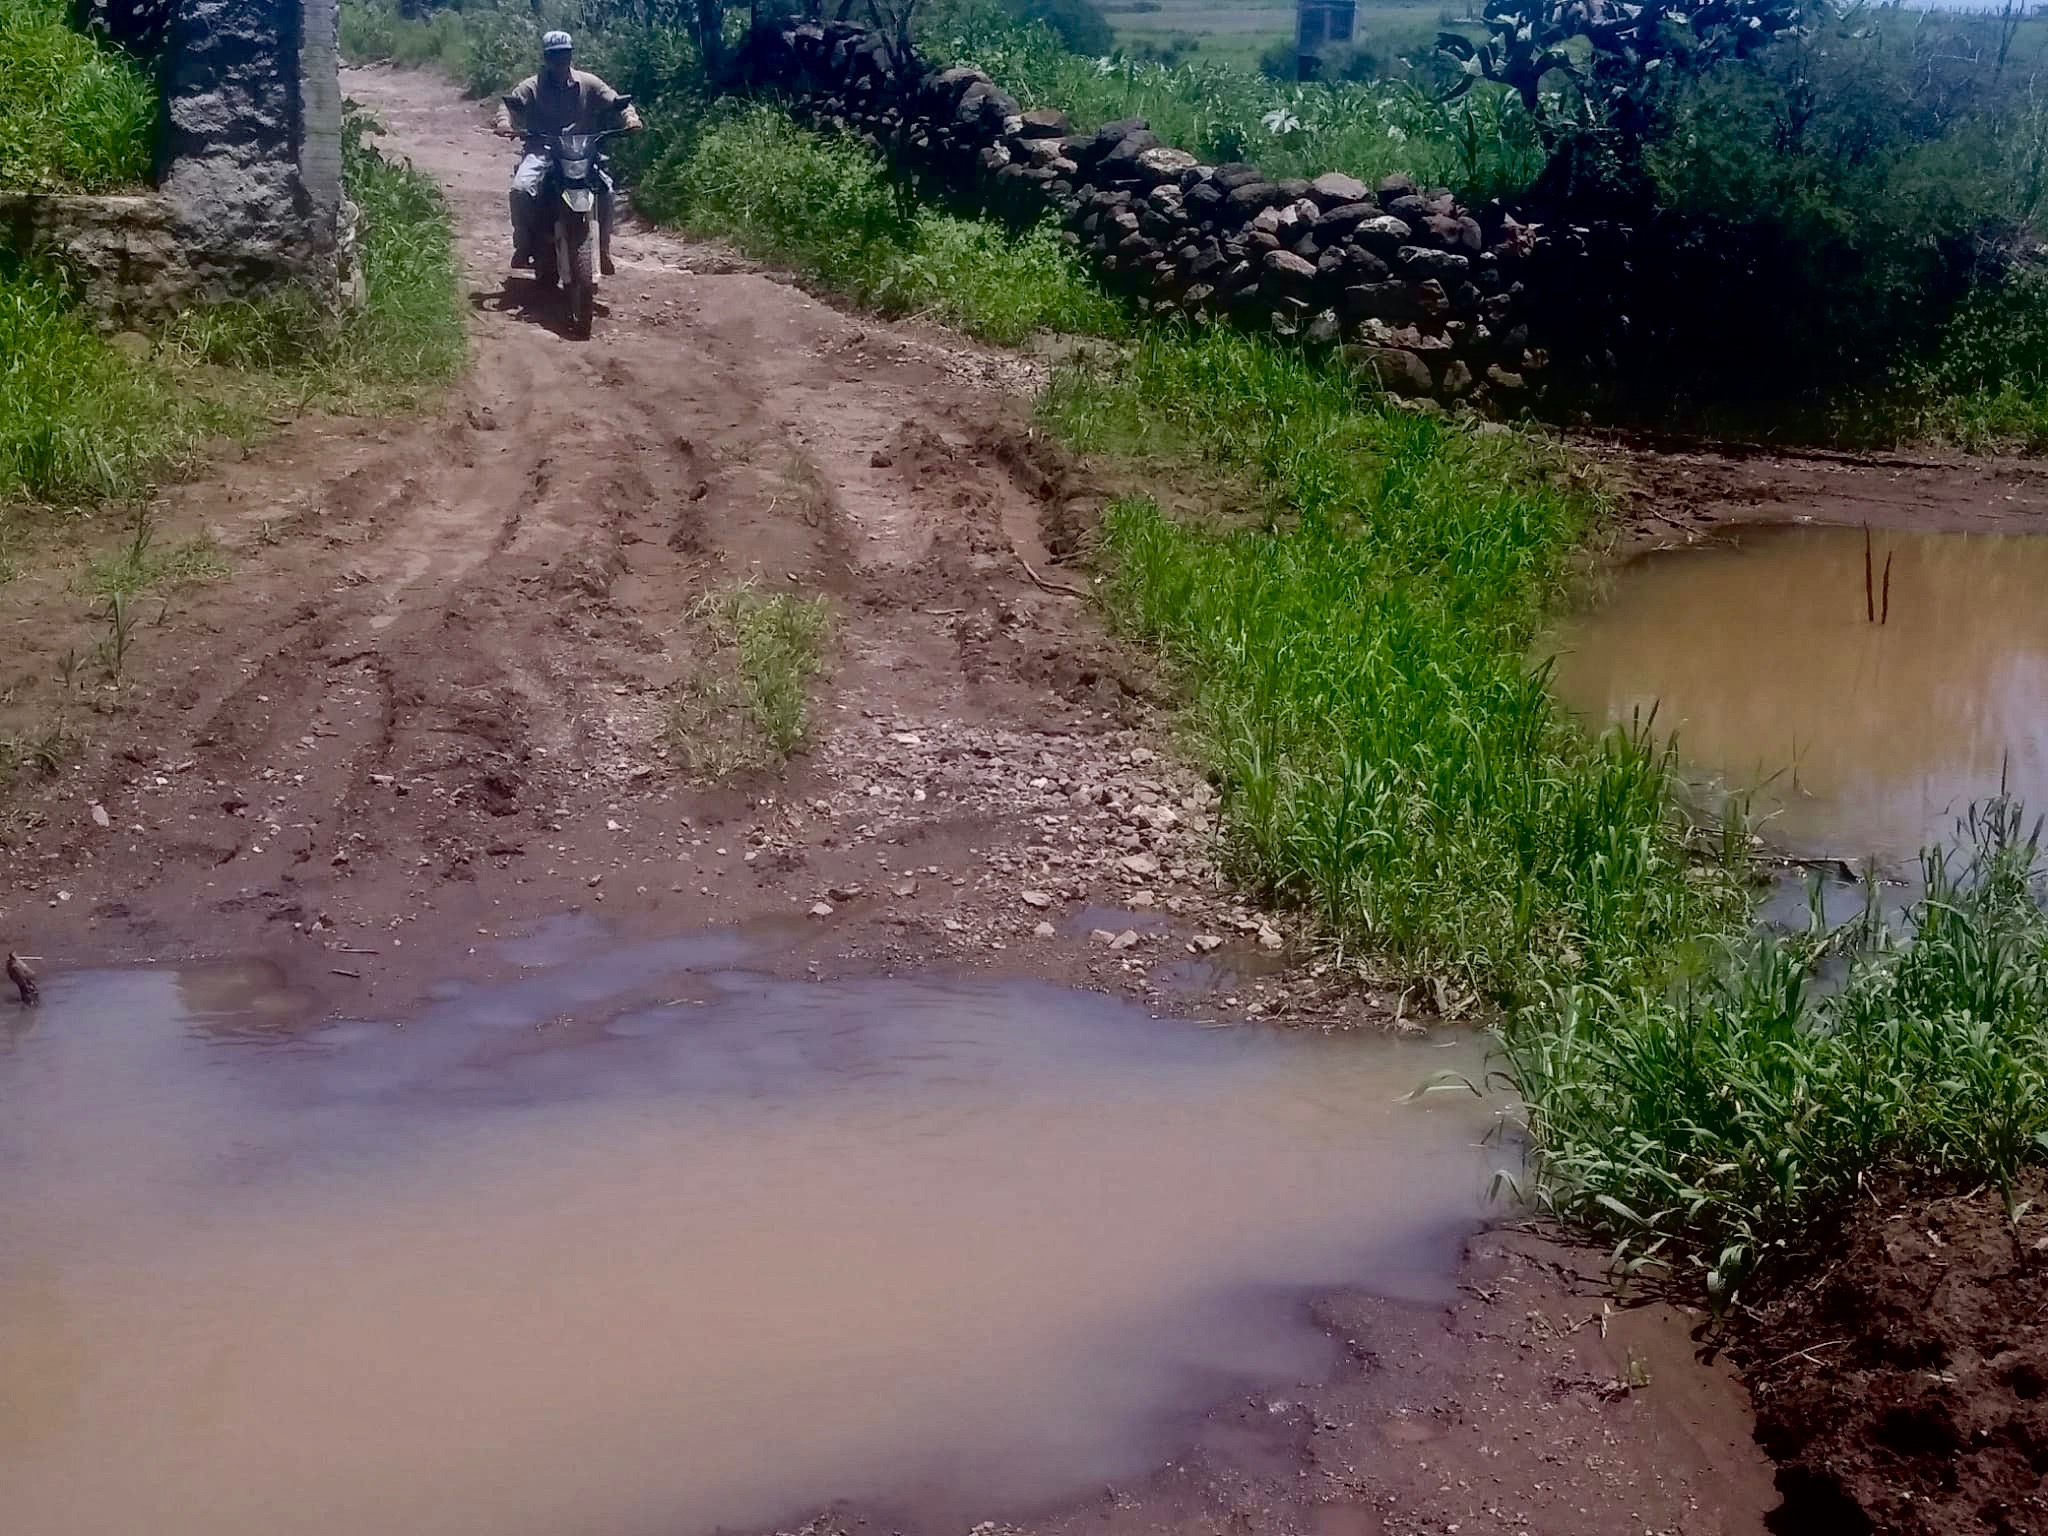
{"points": [[1318, 24]]}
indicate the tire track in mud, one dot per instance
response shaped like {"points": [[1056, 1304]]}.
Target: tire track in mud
{"points": [[456, 634]]}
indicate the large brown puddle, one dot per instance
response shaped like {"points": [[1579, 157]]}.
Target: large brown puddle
{"points": [[1857, 737], [637, 1246]]}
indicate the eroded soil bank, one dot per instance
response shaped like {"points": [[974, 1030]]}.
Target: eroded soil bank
{"points": [[428, 712]]}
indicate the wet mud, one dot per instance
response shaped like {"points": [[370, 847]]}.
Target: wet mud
{"points": [[1902, 1384]]}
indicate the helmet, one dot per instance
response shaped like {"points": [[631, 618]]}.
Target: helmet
{"points": [[557, 42]]}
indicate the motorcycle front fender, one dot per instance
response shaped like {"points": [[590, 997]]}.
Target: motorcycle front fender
{"points": [[579, 199]]}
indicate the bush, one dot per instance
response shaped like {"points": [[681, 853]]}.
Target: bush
{"points": [[75, 116]]}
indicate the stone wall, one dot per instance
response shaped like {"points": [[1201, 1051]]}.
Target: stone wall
{"points": [[122, 253], [1426, 295], [249, 194]]}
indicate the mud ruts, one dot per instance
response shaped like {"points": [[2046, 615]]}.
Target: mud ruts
{"points": [[1426, 295]]}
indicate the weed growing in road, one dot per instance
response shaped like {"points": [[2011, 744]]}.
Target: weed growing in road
{"points": [[746, 702], [37, 754], [141, 567], [75, 116], [1358, 674]]}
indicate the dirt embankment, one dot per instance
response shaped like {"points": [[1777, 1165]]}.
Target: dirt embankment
{"points": [[431, 705], [1675, 494]]}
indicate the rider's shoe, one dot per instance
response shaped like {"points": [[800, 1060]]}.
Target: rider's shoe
{"points": [[606, 265], [522, 258]]}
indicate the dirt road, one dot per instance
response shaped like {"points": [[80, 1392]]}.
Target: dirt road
{"points": [[434, 689], [428, 708]]}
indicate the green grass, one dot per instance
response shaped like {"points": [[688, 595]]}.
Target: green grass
{"points": [[142, 567], [746, 701], [29, 756], [826, 206], [75, 116], [83, 420], [1358, 680], [1717, 1129], [1485, 146]]}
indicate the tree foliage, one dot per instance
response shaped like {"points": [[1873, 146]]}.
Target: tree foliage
{"points": [[1616, 57]]}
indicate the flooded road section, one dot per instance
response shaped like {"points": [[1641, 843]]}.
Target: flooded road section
{"points": [[640, 1245], [1857, 736]]}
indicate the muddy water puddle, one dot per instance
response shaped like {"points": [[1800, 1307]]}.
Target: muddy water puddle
{"points": [[637, 1244], [1854, 736]]}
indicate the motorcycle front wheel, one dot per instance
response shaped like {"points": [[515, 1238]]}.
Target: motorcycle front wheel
{"points": [[579, 272]]}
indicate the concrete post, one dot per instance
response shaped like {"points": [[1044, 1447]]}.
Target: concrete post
{"points": [[251, 152]]}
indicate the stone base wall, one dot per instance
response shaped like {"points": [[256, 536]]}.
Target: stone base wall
{"points": [[251, 149], [1426, 295], [123, 253]]}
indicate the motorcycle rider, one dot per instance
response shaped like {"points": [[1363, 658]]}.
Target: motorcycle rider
{"points": [[560, 99]]}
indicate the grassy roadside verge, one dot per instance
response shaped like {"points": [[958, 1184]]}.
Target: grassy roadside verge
{"points": [[84, 418], [828, 208]]}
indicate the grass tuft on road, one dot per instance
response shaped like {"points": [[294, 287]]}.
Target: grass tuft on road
{"points": [[745, 702]]}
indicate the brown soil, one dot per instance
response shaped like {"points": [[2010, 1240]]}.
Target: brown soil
{"points": [[429, 708], [1903, 1387], [1676, 496]]}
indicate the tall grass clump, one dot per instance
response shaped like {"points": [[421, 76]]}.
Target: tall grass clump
{"points": [[79, 419], [825, 205], [1715, 1129], [75, 115], [1358, 675]]}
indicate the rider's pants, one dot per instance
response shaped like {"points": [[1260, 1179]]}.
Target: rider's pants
{"points": [[526, 186]]}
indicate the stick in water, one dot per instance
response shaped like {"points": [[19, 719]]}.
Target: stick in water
{"points": [[24, 980], [1869, 602]]}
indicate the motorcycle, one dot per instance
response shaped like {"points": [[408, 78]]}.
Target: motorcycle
{"points": [[566, 253]]}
